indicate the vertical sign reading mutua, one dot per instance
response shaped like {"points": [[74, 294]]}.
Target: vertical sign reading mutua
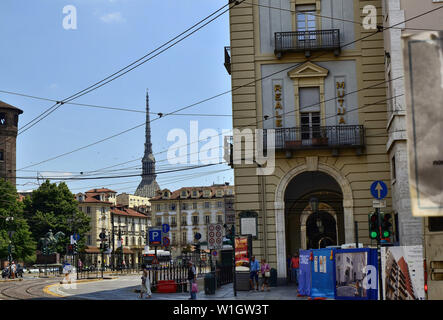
{"points": [[423, 66]]}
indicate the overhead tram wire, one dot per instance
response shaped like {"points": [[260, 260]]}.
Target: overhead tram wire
{"points": [[122, 176], [165, 180], [256, 80], [117, 108], [120, 72]]}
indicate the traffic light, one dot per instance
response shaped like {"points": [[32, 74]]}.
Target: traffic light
{"points": [[70, 248], [386, 225], [74, 247], [373, 226]]}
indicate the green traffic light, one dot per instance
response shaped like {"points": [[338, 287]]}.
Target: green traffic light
{"points": [[386, 234], [373, 235]]}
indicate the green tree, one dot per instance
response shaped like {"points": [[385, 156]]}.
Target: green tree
{"points": [[54, 207], [12, 219]]}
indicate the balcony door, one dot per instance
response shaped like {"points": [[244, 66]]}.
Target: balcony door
{"points": [[306, 24], [310, 115], [310, 126]]}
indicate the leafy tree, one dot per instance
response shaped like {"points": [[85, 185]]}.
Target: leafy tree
{"points": [[12, 219], [54, 207]]}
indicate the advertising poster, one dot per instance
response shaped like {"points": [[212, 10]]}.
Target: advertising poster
{"points": [[403, 274], [322, 273], [304, 279], [356, 274], [423, 53], [241, 254]]}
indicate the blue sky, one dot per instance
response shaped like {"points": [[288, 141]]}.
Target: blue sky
{"points": [[39, 57]]}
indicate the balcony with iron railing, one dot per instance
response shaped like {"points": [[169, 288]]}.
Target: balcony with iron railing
{"points": [[328, 137], [307, 41], [228, 59], [300, 138]]}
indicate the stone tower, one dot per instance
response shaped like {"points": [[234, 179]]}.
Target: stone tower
{"points": [[8, 136], [148, 187]]}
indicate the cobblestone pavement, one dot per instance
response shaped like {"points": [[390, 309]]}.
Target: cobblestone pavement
{"points": [[126, 288]]}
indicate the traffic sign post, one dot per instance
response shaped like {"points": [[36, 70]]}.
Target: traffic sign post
{"points": [[215, 236], [165, 228], [379, 191], [166, 241], [155, 237]]}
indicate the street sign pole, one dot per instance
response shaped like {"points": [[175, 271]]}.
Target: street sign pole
{"points": [[380, 279]]}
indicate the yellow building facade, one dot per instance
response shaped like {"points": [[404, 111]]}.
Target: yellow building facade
{"points": [[132, 201], [312, 72]]}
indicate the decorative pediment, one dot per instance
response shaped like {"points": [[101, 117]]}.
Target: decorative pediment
{"points": [[308, 70]]}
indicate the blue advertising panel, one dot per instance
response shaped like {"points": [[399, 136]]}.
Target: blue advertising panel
{"points": [[323, 273], [304, 278], [356, 274]]}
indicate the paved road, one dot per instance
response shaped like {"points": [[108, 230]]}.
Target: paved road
{"points": [[26, 289], [123, 288]]}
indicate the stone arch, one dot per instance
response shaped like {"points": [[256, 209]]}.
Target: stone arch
{"points": [[279, 205], [307, 212]]}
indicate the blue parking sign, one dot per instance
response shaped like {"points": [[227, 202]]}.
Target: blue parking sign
{"points": [[155, 237]]}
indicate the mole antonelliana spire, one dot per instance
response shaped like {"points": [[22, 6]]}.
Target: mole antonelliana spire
{"points": [[148, 187]]}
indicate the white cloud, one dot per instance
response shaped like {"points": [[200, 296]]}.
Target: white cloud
{"points": [[112, 17]]}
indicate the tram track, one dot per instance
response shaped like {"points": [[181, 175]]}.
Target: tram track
{"points": [[25, 289]]}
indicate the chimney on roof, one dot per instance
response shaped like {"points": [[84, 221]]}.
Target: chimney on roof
{"points": [[227, 183]]}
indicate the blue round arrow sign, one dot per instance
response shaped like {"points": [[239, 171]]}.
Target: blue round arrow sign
{"points": [[165, 228], [379, 189]]}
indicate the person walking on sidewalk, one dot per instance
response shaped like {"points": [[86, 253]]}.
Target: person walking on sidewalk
{"points": [[265, 271], [192, 278], [13, 270], [146, 284], [253, 275], [294, 268]]}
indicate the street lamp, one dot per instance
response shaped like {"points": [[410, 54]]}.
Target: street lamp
{"points": [[314, 202], [10, 234], [231, 236]]}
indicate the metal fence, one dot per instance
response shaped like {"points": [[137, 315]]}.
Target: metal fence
{"points": [[307, 40]]}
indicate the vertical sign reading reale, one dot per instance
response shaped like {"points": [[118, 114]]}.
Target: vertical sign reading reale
{"points": [[277, 98]]}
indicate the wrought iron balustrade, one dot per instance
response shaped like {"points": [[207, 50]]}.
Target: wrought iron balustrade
{"points": [[332, 137], [296, 41]]}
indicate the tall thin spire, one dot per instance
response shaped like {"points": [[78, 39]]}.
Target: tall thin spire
{"points": [[148, 186], [148, 144]]}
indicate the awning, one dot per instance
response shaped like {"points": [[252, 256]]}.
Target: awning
{"points": [[126, 250], [89, 249]]}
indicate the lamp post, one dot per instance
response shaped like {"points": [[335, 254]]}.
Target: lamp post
{"points": [[314, 202], [10, 234], [231, 233]]}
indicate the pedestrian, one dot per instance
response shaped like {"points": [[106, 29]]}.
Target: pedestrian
{"points": [[294, 268], [192, 278], [288, 268], [146, 284], [265, 270], [80, 265], [253, 274], [13, 269]]}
